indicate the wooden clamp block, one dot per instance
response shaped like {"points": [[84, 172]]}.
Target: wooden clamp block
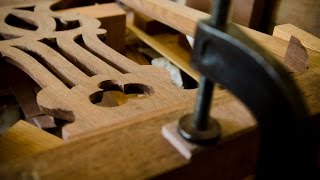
{"points": [[186, 149], [296, 58]]}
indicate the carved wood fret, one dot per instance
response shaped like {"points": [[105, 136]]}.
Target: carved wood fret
{"points": [[83, 80]]}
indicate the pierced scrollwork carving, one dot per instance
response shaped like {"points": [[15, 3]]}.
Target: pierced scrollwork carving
{"points": [[63, 53]]}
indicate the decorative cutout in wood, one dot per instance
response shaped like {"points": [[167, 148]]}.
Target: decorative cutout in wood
{"points": [[82, 79]]}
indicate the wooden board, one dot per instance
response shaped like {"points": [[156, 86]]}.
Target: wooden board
{"points": [[24, 140], [62, 52]]}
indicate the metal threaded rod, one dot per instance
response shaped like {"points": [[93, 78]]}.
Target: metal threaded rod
{"points": [[219, 14], [205, 90], [203, 103], [199, 127]]}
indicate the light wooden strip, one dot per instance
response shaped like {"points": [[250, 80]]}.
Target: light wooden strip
{"points": [[171, 51], [24, 140], [285, 31]]}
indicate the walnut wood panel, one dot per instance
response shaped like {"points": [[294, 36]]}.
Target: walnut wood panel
{"points": [[63, 53]]}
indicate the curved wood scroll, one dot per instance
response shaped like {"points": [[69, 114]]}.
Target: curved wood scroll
{"points": [[62, 52]]}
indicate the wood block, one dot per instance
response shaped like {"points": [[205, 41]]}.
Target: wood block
{"points": [[112, 18], [187, 149], [149, 25], [296, 58], [24, 140], [25, 95], [26, 98], [285, 32], [184, 43]]}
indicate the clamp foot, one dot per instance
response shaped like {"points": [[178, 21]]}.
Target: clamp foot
{"points": [[188, 131]]}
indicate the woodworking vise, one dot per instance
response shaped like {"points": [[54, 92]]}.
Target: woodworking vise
{"points": [[224, 55]]}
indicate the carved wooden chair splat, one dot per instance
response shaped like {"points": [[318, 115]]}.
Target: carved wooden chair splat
{"points": [[63, 53]]}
